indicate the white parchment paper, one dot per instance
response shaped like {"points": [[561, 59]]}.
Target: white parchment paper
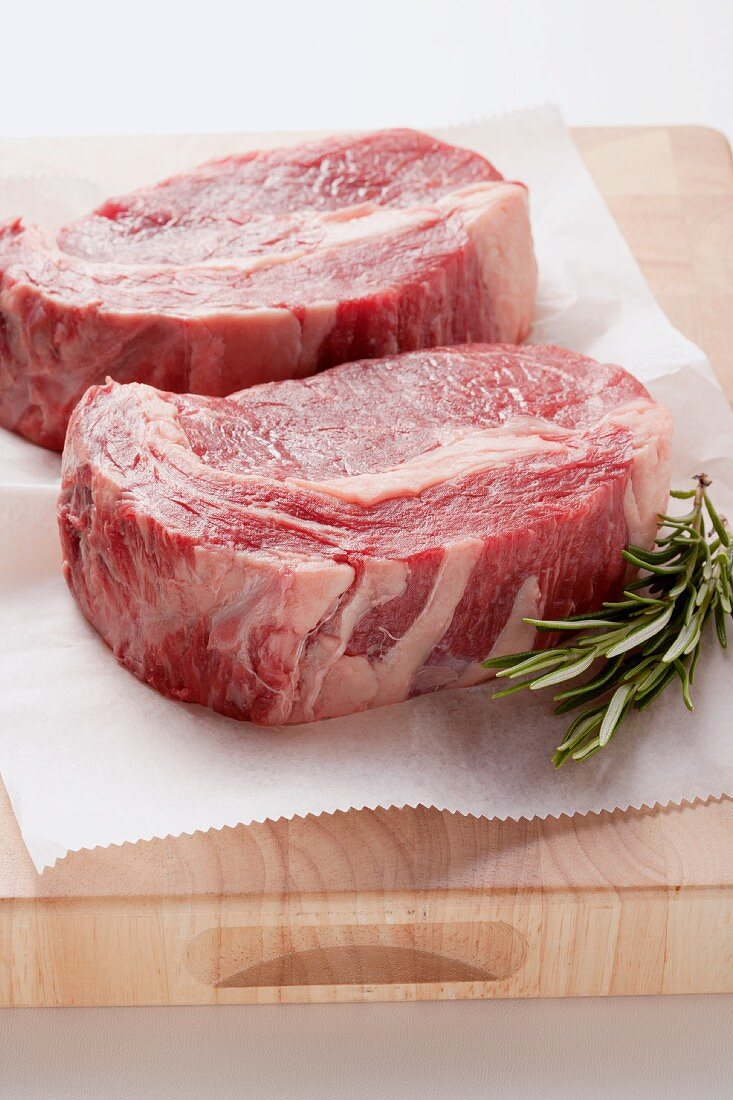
{"points": [[92, 757]]}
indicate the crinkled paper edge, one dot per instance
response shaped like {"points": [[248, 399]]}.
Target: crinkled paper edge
{"points": [[717, 796]]}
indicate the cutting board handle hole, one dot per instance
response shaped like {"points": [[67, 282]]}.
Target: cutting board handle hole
{"points": [[246, 958]]}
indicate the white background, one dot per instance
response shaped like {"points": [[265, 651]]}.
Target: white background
{"points": [[141, 66], [137, 66]]}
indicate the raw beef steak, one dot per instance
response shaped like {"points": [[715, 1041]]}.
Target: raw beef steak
{"points": [[263, 266], [310, 548]]}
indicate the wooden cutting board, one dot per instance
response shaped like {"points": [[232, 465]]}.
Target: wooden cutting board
{"points": [[419, 904]]}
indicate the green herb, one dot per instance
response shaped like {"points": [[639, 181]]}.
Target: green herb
{"points": [[643, 642]]}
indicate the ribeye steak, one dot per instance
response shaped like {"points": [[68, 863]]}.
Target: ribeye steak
{"points": [[310, 548], [263, 266]]}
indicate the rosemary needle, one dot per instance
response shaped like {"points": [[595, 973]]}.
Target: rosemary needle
{"points": [[642, 642]]}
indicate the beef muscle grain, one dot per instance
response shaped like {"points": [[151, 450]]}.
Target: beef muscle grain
{"points": [[263, 266], [311, 548]]}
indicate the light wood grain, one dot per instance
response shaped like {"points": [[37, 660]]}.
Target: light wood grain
{"points": [[418, 904]]}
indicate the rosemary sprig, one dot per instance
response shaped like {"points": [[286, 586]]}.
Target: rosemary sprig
{"points": [[647, 639]]}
